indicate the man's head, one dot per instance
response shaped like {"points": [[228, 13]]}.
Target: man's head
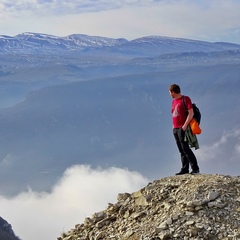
{"points": [[174, 90]]}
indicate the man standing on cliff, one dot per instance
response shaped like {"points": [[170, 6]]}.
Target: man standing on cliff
{"points": [[181, 121]]}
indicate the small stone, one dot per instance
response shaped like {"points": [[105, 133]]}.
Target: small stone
{"points": [[213, 195], [157, 230], [189, 213], [123, 196], [166, 205], [196, 203], [169, 221], [141, 201], [163, 225], [165, 236], [69, 238], [99, 236], [198, 208], [99, 216], [193, 232], [216, 204], [129, 233], [175, 217], [189, 222], [199, 226]]}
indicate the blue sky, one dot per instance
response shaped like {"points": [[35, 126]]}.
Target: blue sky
{"points": [[209, 20]]}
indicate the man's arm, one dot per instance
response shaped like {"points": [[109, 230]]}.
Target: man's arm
{"points": [[188, 120]]}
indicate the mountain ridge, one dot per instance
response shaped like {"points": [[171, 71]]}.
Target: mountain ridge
{"points": [[50, 59], [46, 44]]}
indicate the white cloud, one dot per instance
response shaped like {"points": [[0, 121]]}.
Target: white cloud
{"points": [[67, 7], [81, 192], [222, 156], [206, 20]]}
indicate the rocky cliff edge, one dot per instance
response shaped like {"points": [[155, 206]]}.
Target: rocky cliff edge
{"points": [[185, 207]]}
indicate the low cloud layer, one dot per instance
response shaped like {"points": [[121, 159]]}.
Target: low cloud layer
{"points": [[80, 192], [223, 156]]}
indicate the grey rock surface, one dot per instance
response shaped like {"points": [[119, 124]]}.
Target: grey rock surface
{"points": [[200, 207]]}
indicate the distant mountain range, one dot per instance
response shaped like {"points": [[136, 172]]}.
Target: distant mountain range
{"points": [[94, 100], [28, 43], [50, 60]]}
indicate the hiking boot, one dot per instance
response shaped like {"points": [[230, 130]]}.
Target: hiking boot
{"points": [[182, 172], [194, 172]]}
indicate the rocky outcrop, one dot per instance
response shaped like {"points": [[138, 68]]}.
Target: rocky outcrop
{"points": [[185, 207], [6, 231]]}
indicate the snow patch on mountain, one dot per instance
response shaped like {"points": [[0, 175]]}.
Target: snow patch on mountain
{"points": [[146, 46]]}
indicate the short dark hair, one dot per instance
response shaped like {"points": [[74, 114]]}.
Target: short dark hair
{"points": [[174, 88]]}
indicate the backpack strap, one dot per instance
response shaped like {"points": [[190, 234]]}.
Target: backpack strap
{"points": [[185, 107], [184, 104]]}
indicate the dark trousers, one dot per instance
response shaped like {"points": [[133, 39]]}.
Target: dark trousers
{"points": [[187, 156]]}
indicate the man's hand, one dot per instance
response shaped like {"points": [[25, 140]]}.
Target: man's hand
{"points": [[184, 128], [188, 120]]}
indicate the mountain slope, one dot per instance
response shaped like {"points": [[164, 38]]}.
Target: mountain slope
{"points": [[122, 121], [6, 232], [43, 43], [180, 207]]}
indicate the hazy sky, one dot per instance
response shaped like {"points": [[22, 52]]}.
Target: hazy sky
{"points": [[210, 20]]}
